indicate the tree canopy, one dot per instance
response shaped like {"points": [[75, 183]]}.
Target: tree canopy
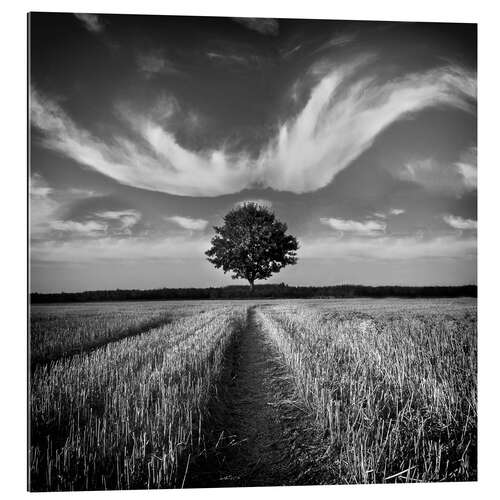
{"points": [[252, 244]]}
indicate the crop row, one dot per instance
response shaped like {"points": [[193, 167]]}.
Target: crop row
{"points": [[58, 331], [396, 395], [130, 414]]}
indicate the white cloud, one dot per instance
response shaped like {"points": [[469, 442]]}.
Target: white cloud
{"points": [[112, 248], [38, 187], [389, 247], [469, 173], [396, 211], [435, 176], [257, 201], [91, 21], [457, 178], [392, 211], [467, 166], [286, 53], [264, 26], [459, 222], [43, 208], [192, 246], [368, 228], [88, 227], [337, 41], [115, 222], [47, 208], [82, 193], [189, 223], [344, 115], [126, 218], [118, 214], [235, 58], [171, 169], [154, 63]]}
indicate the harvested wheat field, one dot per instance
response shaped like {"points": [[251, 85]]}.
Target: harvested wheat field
{"points": [[252, 393]]}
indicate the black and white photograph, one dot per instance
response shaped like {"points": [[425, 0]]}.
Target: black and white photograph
{"points": [[252, 252]]}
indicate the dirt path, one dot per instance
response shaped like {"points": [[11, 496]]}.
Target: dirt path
{"points": [[264, 431]]}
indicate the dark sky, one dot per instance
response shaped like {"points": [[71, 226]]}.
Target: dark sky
{"points": [[146, 130]]}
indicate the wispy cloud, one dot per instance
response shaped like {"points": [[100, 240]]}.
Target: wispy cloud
{"points": [[48, 215], [156, 63], [82, 193], [459, 222], [126, 219], [342, 118], [286, 53], [38, 187], [115, 249], [264, 26], [223, 57], [396, 211], [112, 223], [43, 208], [192, 245], [170, 167], [340, 121], [469, 174], [467, 166], [392, 211], [92, 22], [257, 201], [87, 228], [389, 247], [236, 57], [366, 228], [433, 175], [189, 222], [337, 41]]}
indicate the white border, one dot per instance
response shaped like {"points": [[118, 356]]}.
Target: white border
{"points": [[13, 199]]}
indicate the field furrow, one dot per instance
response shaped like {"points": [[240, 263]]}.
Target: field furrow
{"points": [[130, 414], [395, 394], [264, 435], [59, 332]]}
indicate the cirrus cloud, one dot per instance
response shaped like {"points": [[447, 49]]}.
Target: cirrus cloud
{"points": [[256, 201], [459, 222], [367, 228], [262, 25], [191, 246], [189, 222], [91, 21], [155, 63], [343, 116], [88, 228], [390, 247]]}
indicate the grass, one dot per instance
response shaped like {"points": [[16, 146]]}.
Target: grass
{"points": [[128, 415], [393, 391]]}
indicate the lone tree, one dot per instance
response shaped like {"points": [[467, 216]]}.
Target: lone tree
{"points": [[252, 244]]}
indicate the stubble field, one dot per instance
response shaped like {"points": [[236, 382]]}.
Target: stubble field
{"points": [[243, 393]]}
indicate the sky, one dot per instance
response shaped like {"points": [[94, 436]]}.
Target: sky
{"points": [[146, 130]]}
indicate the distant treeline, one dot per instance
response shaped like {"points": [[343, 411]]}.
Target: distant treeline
{"points": [[281, 291]]}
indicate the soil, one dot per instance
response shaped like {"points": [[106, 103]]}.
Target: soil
{"points": [[265, 436]]}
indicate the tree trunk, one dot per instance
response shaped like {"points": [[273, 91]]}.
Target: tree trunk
{"points": [[252, 286]]}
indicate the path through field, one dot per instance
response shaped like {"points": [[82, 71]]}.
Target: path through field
{"points": [[268, 438]]}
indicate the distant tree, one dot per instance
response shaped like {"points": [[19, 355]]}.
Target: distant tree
{"points": [[252, 244]]}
